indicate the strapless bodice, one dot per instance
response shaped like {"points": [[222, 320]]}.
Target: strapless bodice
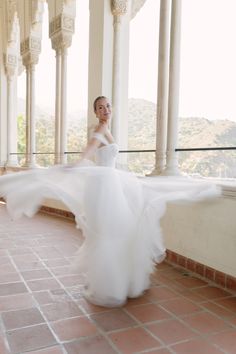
{"points": [[106, 155]]}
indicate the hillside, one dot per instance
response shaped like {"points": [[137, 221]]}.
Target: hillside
{"points": [[193, 132]]}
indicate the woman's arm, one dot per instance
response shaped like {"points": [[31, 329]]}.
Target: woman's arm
{"points": [[109, 136], [90, 149], [92, 145]]}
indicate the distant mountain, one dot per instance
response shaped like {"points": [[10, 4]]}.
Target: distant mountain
{"points": [[201, 132], [193, 132], [141, 124]]}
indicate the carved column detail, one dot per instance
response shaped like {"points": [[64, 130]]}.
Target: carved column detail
{"points": [[119, 7], [11, 61], [61, 30], [30, 49]]}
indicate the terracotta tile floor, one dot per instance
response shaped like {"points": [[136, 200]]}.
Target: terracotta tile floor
{"points": [[43, 312]]}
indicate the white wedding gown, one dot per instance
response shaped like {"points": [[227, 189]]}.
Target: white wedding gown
{"points": [[118, 213]]}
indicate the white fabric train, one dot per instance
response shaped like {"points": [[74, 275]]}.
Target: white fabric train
{"points": [[118, 213]]}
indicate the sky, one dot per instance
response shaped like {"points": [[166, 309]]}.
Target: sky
{"points": [[208, 57]]}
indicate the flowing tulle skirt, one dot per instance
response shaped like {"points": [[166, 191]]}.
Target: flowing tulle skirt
{"points": [[119, 215]]}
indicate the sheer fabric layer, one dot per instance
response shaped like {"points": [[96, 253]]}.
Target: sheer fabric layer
{"points": [[118, 213]]}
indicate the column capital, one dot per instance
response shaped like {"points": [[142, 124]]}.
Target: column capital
{"points": [[30, 49], [11, 61], [61, 41], [61, 30], [119, 7]]}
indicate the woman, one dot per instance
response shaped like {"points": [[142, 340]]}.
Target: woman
{"points": [[118, 213], [101, 135]]}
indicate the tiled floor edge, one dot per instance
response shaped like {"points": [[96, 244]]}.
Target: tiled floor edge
{"points": [[57, 212], [224, 280], [53, 211]]}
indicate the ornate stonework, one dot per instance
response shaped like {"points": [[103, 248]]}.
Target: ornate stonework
{"points": [[30, 49], [30, 44], [60, 23], [61, 29], [119, 7], [61, 41], [11, 62], [30, 59]]}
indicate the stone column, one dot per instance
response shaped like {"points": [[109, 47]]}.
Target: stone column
{"points": [[30, 49], [61, 30], [11, 67], [173, 104], [163, 83], [58, 107], [63, 136], [30, 117], [32, 140], [119, 8]]}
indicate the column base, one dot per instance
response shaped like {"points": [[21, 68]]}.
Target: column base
{"points": [[156, 172], [57, 160], [171, 171], [11, 164], [172, 167], [63, 160], [30, 165]]}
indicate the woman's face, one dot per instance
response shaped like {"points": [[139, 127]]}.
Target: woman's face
{"points": [[103, 109]]}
